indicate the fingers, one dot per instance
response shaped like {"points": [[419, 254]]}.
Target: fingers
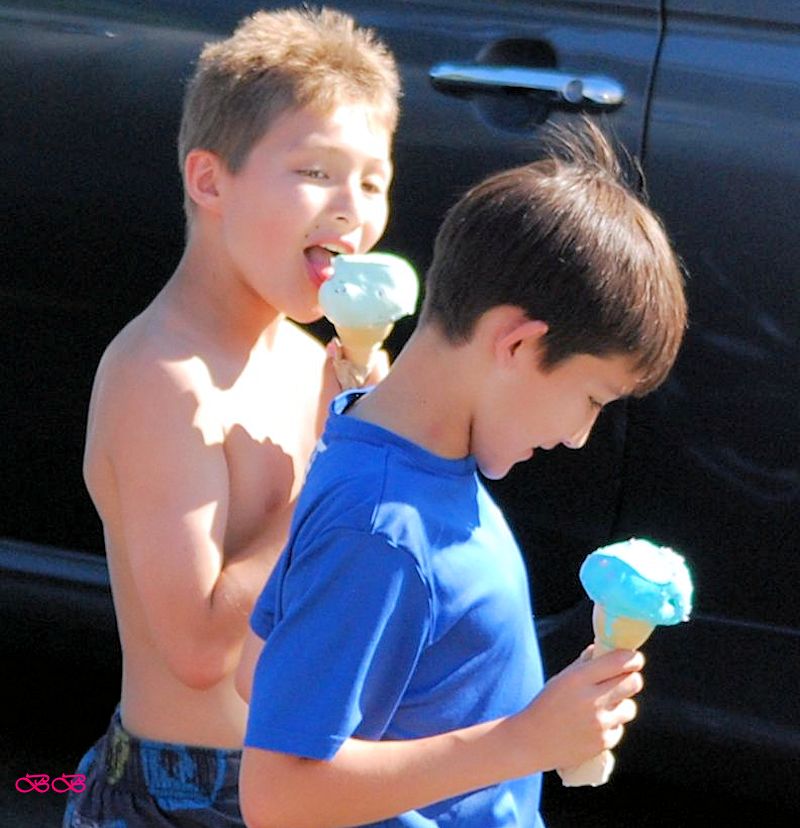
{"points": [[347, 375], [350, 375], [593, 713], [616, 664], [615, 721], [333, 350], [613, 736], [620, 678], [621, 714], [626, 661], [626, 711], [379, 368], [618, 688]]}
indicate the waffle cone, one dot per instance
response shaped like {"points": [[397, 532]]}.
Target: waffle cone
{"points": [[625, 634], [360, 344], [622, 634]]}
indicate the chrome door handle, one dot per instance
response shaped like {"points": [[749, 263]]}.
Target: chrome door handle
{"points": [[560, 87]]}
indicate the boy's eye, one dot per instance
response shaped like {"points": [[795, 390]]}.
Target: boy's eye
{"points": [[315, 173], [373, 187]]}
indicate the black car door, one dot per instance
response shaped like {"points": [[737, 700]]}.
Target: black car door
{"points": [[712, 463]]}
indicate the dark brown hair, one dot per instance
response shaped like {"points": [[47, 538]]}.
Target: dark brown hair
{"points": [[567, 240]]}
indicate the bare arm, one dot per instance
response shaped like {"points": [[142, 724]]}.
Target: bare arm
{"points": [[168, 470], [580, 712]]}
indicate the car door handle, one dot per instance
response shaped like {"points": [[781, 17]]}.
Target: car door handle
{"points": [[560, 87]]}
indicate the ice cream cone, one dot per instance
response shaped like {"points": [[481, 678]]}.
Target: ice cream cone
{"points": [[635, 587], [359, 346], [609, 634], [618, 633], [366, 295]]}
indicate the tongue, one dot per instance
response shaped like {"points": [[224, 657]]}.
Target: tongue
{"points": [[321, 261]]}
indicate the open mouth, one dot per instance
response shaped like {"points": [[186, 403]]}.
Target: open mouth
{"points": [[320, 259]]}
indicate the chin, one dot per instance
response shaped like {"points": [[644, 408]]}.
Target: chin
{"points": [[493, 472], [305, 316]]}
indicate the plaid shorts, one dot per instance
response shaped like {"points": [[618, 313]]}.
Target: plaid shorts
{"points": [[137, 783]]}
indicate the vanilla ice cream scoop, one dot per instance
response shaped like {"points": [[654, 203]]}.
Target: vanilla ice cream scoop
{"points": [[369, 289], [367, 294], [636, 586]]}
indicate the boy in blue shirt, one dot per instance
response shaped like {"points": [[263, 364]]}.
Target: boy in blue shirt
{"points": [[393, 670]]}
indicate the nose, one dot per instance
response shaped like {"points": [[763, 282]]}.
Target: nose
{"points": [[578, 441], [579, 438], [348, 205]]}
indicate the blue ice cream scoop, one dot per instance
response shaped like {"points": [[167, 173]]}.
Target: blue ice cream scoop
{"points": [[639, 580]]}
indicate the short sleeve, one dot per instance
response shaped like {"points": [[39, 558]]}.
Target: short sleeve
{"points": [[352, 618]]}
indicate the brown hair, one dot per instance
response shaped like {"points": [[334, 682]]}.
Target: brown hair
{"points": [[568, 241], [277, 61]]}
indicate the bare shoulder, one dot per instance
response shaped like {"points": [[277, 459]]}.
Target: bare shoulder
{"points": [[146, 371]]}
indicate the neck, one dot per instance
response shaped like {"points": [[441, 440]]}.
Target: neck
{"points": [[207, 295], [426, 397]]}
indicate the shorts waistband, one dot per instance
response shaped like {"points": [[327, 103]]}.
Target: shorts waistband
{"points": [[166, 769]]}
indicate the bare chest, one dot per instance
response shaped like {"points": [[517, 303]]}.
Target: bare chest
{"points": [[267, 437]]}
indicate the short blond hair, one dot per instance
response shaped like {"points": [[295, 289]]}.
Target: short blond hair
{"points": [[277, 61]]}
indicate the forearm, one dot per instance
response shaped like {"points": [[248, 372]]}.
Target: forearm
{"points": [[370, 781], [241, 579], [247, 565], [578, 713]]}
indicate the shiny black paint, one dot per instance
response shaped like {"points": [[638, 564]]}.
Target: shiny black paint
{"points": [[709, 464]]}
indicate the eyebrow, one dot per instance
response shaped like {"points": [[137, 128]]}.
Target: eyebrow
{"points": [[336, 149]]}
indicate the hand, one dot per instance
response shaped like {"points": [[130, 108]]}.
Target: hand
{"points": [[583, 710], [348, 375]]}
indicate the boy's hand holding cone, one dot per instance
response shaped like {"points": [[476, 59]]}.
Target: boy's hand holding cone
{"points": [[635, 586]]}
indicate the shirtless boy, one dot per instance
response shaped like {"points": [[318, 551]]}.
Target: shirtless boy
{"points": [[206, 407]]}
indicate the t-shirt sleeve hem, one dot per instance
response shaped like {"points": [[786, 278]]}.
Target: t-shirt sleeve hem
{"points": [[294, 743]]}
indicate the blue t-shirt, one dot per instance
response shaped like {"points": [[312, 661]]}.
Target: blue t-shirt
{"points": [[399, 609]]}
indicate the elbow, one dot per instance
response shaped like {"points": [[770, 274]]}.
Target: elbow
{"points": [[198, 657], [260, 814], [200, 679], [259, 808], [200, 668], [269, 793], [254, 816]]}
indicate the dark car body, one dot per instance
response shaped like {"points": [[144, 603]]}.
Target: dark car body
{"points": [[710, 97]]}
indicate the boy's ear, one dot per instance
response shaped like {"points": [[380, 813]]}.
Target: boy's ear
{"points": [[520, 331], [202, 170]]}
